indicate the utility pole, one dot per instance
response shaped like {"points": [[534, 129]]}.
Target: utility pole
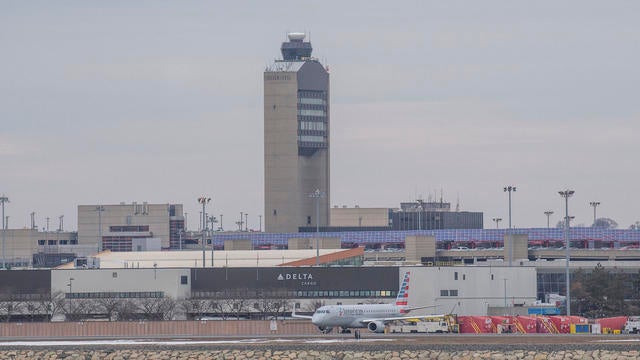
{"points": [[595, 205], [548, 213], [3, 200], [317, 195], [566, 194], [510, 237], [204, 201]]}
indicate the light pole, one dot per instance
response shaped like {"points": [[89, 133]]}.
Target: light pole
{"points": [[317, 195], [180, 232], [505, 294], [4, 199], [509, 189], [240, 222], [204, 201], [595, 205], [420, 208], [566, 194], [221, 227], [99, 209], [260, 223], [497, 221], [213, 221], [246, 222], [548, 213], [70, 291]]}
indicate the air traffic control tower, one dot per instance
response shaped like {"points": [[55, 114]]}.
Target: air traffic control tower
{"points": [[296, 139]]}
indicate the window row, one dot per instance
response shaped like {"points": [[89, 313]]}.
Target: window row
{"points": [[307, 112], [310, 138], [308, 125], [448, 292], [295, 294], [57, 242], [129, 228], [115, 295], [311, 101]]}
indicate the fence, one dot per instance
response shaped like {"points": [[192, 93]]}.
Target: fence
{"points": [[160, 329]]}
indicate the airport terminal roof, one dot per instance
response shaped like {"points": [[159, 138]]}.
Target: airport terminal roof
{"points": [[231, 258]]}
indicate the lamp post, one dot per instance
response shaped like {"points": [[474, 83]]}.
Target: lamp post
{"points": [[4, 199], [317, 195], [595, 205], [548, 213], [213, 222], [566, 194], [497, 221], [246, 222], [70, 291], [505, 294], [240, 222], [510, 189], [180, 232], [260, 223], [203, 200], [419, 208], [221, 227], [99, 210]]}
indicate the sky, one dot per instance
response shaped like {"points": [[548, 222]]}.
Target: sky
{"points": [[103, 102]]}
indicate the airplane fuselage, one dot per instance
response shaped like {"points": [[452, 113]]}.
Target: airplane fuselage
{"points": [[353, 316]]}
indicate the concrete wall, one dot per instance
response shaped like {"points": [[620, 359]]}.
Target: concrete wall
{"points": [[477, 288], [359, 216], [241, 244], [520, 247], [122, 280], [417, 247]]}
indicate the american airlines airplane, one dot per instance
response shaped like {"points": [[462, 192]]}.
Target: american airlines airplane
{"points": [[370, 316]]}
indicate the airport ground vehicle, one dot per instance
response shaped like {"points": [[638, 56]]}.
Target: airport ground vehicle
{"points": [[436, 324], [632, 326]]}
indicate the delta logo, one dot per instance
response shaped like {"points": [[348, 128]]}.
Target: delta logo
{"points": [[295, 276]]}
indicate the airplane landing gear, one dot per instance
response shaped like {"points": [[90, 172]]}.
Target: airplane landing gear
{"points": [[356, 334]]}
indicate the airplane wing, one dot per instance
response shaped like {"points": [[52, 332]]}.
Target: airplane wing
{"points": [[419, 307], [418, 317], [294, 315]]}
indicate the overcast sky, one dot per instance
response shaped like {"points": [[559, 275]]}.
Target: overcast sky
{"points": [[110, 101]]}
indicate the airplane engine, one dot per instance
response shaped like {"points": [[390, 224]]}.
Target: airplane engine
{"points": [[376, 326]]}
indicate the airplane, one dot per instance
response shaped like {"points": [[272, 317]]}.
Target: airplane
{"points": [[370, 316]]}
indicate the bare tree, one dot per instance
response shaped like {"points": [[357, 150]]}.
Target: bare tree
{"points": [[217, 306], [635, 226], [158, 308], [127, 310], [236, 301], [195, 308], [109, 306]]}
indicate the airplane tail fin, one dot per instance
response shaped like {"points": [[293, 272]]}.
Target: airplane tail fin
{"points": [[403, 293]]}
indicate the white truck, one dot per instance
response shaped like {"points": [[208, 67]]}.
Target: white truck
{"points": [[439, 326], [632, 326]]}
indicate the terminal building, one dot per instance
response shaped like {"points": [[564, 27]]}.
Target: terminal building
{"points": [[131, 227]]}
